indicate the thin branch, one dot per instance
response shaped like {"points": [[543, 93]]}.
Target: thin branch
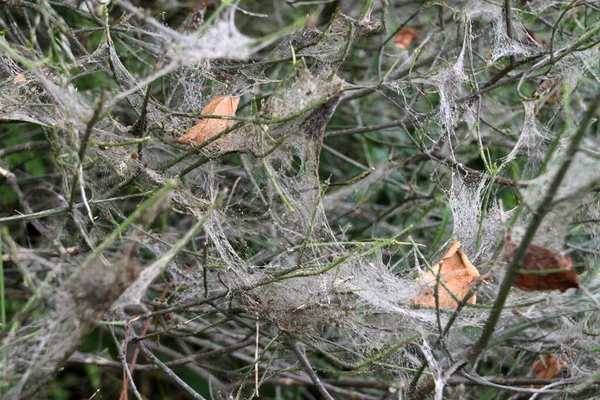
{"points": [[54, 211], [22, 147], [78, 175], [123, 360], [168, 371], [509, 28], [12, 180], [544, 207], [307, 367], [365, 129]]}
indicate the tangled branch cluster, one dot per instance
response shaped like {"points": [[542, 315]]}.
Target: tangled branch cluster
{"points": [[285, 258]]}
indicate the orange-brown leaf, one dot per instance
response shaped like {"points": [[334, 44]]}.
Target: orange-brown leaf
{"points": [[539, 258], [457, 273], [20, 78], [545, 86], [206, 128], [404, 37], [531, 38], [548, 367]]}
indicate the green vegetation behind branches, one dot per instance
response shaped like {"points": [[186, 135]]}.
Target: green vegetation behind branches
{"points": [[283, 253]]}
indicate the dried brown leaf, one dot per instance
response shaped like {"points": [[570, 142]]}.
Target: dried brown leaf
{"points": [[539, 258], [548, 366], [404, 37], [206, 128], [20, 78], [457, 273]]}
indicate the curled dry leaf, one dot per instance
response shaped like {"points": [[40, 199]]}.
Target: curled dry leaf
{"points": [[457, 273], [531, 38], [20, 78], [206, 128], [546, 85], [404, 37], [548, 366], [539, 258]]}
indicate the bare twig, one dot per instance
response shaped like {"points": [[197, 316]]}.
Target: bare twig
{"points": [[307, 367], [168, 371]]}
